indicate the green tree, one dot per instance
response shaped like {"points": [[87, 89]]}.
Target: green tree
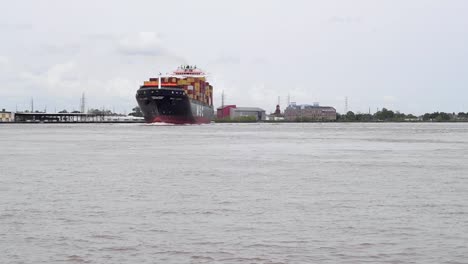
{"points": [[437, 116], [427, 117], [399, 116], [350, 116], [136, 112], [363, 117], [339, 117], [95, 111], [443, 117]]}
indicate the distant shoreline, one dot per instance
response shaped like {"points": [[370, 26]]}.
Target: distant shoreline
{"points": [[350, 122], [90, 122], [241, 122]]}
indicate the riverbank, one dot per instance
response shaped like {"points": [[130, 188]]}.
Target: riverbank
{"points": [[88, 122], [295, 122]]}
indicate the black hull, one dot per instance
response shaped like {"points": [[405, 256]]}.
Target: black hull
{"points": [[172, 105]]}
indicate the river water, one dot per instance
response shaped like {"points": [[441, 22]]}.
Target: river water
{"points": [[234, 193]]}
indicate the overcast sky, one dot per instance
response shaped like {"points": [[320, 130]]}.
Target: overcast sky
{"points": [[407, 55]]}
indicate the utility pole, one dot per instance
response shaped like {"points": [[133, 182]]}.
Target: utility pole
{"points": [[222, 99], [82, 103], [346, 105], [32, 105]]}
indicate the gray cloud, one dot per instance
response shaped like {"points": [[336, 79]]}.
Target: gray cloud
{"points": [[141, 44], [345, 20], [253, 50], [60, 48], [3, 61], [16, 27], [226, 60]]}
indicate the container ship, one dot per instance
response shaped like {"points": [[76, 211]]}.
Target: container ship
{"points": [[182, 97]]}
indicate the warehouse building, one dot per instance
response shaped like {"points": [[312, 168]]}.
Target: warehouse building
{"points": [[6, 116], [240, 112], [313, 112], [234, 113], [224, 112]]}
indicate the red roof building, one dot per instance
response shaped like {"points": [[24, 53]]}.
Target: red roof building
{"points": [[224, 111]]}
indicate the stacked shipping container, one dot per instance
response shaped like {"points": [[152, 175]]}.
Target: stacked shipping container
{"points": [[196, 88]]}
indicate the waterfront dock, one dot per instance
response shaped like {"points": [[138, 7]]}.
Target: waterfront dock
{"points": [[73, 118]]}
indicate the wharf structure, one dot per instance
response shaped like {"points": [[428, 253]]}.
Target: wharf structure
{"points": [[6, 116], [306, 112], [72, 118], [233, 112]]}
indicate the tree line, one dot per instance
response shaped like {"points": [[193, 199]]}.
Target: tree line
{"points": [[395, 116]]}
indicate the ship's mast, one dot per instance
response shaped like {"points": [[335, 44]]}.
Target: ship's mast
{"points": [[159, 81]]}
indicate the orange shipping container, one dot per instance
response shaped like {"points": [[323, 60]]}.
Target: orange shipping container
{"points": [[150, 83]]}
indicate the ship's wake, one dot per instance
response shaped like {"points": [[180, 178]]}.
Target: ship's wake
{"points": [[160, 124]]}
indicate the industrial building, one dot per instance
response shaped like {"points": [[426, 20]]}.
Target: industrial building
{"points": [[313, 112], [57, 117], [6, 116], [224, 112], [256, 112], [277, 115], [233, 112]]}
